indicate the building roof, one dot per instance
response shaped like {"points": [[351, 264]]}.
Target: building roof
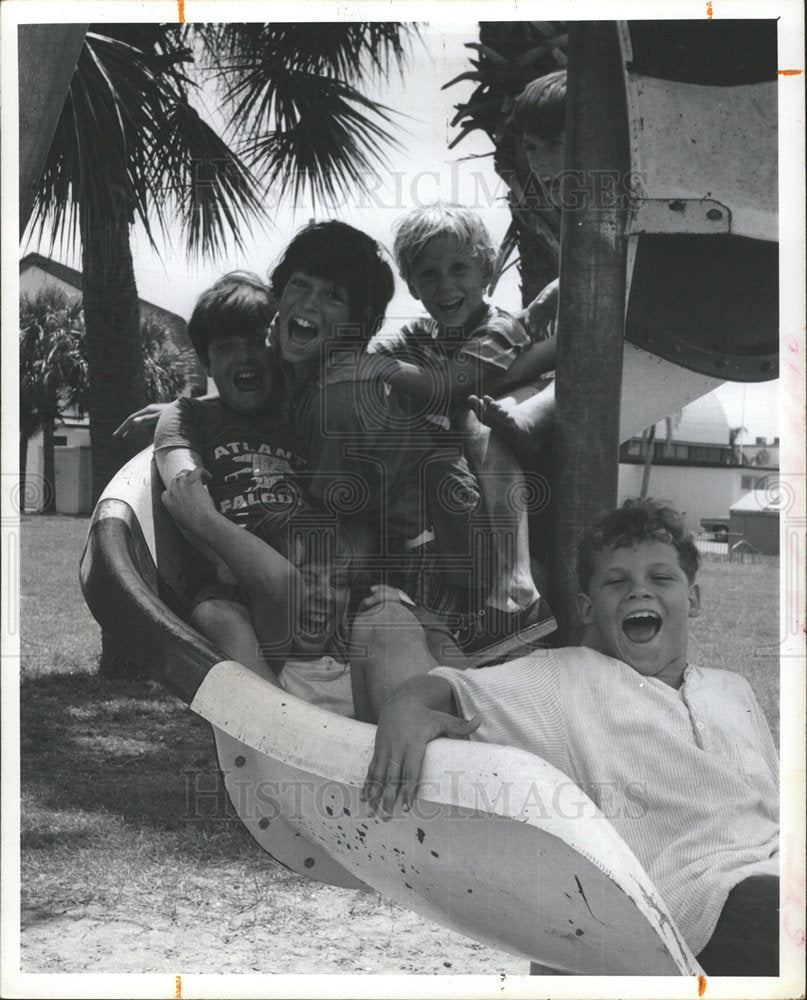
{"points": [[703, 421], [73, 277], [174, 325], [767, 501]]}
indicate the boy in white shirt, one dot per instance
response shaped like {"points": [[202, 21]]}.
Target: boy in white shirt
{"points": [[686, 749]]}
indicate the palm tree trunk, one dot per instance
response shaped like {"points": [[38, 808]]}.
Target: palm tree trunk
{"points": [[23, 467], [650, 447], [48, 466], [115, 365], [535, 266], [115, 362]]}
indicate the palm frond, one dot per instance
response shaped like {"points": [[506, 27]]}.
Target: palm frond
{"points": [[129, 145], [213, 192], [349, 51], [290, 92]]}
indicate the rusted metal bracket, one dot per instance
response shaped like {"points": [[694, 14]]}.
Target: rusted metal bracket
{"points": [[677, 215]]}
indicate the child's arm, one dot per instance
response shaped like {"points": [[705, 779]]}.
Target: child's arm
{"points": [[537, 360], [450, 384], [146, 418], [270, 582], [170, 463], [539, 318], [421, 710]]}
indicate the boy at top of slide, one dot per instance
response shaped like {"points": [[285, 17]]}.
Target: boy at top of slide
{"points": [[467, 347]]}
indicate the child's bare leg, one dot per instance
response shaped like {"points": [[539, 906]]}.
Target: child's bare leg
{"points": [[388, 645], [523, 420], [502, 482], [269, 581], [228, 626]]}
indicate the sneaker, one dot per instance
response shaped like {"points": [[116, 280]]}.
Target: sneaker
{"points": [[490, 634]]}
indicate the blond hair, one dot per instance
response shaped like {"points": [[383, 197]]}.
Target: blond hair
{"points": [[416, 228]]}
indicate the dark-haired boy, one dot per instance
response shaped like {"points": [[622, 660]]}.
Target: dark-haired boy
{"points": [[239, 437], [333, 285], [253, 466], [627, 712]]}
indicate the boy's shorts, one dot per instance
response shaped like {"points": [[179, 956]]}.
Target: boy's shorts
{"points": [[324, 682]]}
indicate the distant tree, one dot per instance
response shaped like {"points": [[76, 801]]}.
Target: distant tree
{"points": [[53, 375], [54, 378], [649, 446], [734, 443], [168, 371]]}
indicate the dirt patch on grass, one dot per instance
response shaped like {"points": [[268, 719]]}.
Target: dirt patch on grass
{"points": [[126, 867]]}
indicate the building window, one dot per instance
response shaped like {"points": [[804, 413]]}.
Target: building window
{"points": [[753, 482], [60, 440]]}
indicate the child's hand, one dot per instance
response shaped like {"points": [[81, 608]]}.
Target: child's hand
{"points": [[405, 726], [540, 315], [188, 500], [144, 419], [380, 594]]}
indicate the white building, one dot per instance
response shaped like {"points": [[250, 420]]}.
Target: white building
{"points": [[699, 471]]}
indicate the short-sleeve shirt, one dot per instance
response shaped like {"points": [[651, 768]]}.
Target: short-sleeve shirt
{"points": [[256, 465], [357, 441], [688, 777], [492, 336]]}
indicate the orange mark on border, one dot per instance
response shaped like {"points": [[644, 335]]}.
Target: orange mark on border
{"points": [[709, 11], [178, 980], [701, 985], [181, 6], [789, 72]]}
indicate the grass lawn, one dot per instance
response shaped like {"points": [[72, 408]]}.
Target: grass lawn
{"points": [[132, 859], [58, 634]]}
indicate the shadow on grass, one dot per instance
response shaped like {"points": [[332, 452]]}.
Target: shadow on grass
{"points": [[96, 754]]}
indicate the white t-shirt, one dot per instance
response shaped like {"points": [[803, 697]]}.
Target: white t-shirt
{"points": [[323, 681]]}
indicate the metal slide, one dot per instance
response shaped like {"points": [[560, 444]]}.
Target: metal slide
{"points": [[500, 845]]}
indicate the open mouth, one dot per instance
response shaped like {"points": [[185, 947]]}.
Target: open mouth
{"points": [[248, 381], [641, 626], [316, 623], [452, 306], [301, 331]]}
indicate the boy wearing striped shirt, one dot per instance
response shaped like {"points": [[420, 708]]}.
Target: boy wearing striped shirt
{"points": [[465, 348], [687, 747]]}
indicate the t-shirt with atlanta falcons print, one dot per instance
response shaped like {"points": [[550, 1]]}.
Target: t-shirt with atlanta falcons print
{"points": [[255, 463]]}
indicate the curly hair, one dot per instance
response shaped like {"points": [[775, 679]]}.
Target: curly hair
{"points": [[634, 522], [337, 252], [416, 228], [239, 302]]}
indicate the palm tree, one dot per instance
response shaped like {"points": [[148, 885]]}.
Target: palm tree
{"points": [[734, 443], [649, 447], [54, 372], [53, 375], [292, 93], [124, 149], [508, 56], [129, 145]]}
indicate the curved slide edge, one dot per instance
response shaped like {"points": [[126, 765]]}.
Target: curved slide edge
{"points": [[499, 845], [118, 577]]}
